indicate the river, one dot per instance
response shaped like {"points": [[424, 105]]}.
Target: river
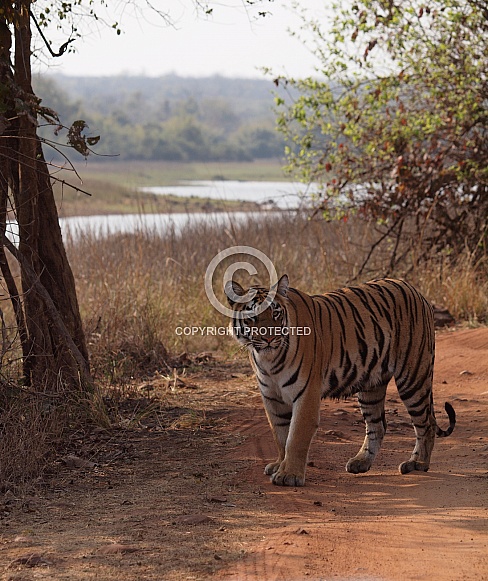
{"points": [[150, 223], [283, 195], [275, 196]]}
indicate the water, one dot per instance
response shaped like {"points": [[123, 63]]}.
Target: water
{"points": [[278, 195], [283, 195], [149, 223]]}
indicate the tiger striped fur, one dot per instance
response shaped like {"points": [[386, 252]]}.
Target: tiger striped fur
{"points": [[360, 337]]}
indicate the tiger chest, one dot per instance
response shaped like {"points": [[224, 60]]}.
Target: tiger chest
{"points": [[286, 385]]}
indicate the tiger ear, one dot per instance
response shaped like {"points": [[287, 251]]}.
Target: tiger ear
{"points": [[233, 290], [282, 286]]}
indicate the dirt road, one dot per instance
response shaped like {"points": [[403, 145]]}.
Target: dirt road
{"points": [[180, 493]]}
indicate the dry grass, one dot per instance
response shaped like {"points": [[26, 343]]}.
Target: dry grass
{"points": [[462, 287], [36, 424], [135, 290], [32, 424]]}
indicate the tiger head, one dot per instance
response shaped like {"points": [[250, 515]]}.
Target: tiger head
{"points": [[260, 320]]}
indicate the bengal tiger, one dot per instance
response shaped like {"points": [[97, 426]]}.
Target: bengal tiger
{"points": [[349, 341]]}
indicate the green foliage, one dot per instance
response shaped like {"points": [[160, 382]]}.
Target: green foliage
{"points": [[396, 128], [169, 118], [138, 125]]}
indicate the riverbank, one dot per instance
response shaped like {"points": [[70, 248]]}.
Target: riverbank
{"points": [[134, 202], [112, 187]]}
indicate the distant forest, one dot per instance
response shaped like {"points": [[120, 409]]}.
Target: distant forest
{"points": [[168, 118]]}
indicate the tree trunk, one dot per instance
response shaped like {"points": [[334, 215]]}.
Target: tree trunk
{"points": [[53, 342], [8, 174]]}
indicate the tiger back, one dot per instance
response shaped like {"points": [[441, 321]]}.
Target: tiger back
{"points": [[349, 341]]}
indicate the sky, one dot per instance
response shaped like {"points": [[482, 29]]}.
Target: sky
{"points": [[233, 42]]}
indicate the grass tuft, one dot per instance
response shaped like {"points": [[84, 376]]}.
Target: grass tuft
{"points": [[461, 286]]}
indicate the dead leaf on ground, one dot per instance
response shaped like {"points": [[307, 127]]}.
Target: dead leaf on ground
{"points": [[30, 560], [193, 519], [335, 434], [302, 531], [117, 548], [24, 539], [204, 357], [218, 499], [77, 463]]}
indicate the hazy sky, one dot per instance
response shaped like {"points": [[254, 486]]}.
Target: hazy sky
{"points": [[232, 42]]}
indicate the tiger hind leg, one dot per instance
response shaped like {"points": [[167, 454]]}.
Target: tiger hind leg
{"points": [[420, 458], [372, 404], [420, 407]]}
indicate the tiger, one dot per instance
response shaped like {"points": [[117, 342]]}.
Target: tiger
{"points": [[354, 340]]}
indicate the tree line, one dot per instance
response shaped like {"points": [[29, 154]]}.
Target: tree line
{"points": [[169, 118]]}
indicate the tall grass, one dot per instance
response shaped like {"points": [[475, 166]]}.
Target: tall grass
{"points": [[138, 291], [462, 286], [29, 431], [35, 423]]}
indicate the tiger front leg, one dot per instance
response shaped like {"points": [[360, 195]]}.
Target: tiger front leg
{"points": [[279, 417], [303, 425]]}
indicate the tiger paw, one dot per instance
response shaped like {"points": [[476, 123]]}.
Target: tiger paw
{"points": [[272, 468], [284, 479], [358, 465], [412, 465]]}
